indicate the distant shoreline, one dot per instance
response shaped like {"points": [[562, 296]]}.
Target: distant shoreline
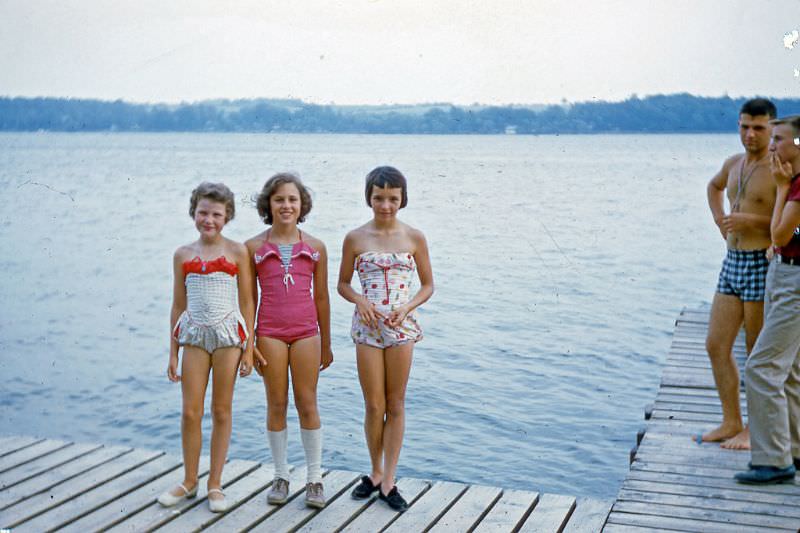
{"points": [[677, 113], [356, 134]]}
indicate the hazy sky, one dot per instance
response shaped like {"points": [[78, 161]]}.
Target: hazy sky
{"points": [[397, 51]]}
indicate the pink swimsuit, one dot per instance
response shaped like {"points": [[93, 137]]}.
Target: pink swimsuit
{"points": [[287, 311]]}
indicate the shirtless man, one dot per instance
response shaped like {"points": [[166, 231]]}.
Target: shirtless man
{"points": [[748, 182]]}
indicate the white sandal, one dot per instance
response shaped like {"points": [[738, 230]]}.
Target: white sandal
{"points": [[219, 505], [167, 499]]}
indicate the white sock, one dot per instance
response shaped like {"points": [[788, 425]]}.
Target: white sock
{"points": [[312, 444], [278, 442]]}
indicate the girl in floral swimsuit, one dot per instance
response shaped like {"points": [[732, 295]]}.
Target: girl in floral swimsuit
{"points": [[385, 253], [211, 319]]}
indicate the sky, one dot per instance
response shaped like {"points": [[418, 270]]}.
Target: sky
{"points": [[398, 51]]}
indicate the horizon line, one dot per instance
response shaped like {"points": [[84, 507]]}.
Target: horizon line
{"points": [[563, 102]]}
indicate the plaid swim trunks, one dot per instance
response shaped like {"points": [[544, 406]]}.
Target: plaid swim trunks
{"points": [[744, 275]]}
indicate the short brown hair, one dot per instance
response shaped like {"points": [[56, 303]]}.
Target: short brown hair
{"points": [[216, 192], [262, 201], [386, 176]]}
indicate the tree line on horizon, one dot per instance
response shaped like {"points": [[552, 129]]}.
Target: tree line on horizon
{"points": [[676, 113]]}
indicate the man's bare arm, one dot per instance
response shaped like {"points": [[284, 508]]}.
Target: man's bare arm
{"points": [[743, 221], [716, 196]]}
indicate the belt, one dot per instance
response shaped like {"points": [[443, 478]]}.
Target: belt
{"points": [[786, 260]]}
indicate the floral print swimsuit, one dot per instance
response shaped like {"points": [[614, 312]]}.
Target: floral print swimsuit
{"points": [[385, 278]]}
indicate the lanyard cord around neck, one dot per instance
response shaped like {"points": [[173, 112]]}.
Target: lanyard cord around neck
{"points": [[743, 181]]}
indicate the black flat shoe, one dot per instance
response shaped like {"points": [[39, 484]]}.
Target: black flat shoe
{"points": [[394, 500], [364, 489], [766, 475]]}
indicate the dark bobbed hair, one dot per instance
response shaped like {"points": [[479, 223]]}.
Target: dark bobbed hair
{"points": [[262, 201], [216, 192], [793, 121], [759, 106], [386, 177]]}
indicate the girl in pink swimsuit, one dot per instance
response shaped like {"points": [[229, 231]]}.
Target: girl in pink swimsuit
{"points": [[385, 253], [211, 319], [293, 329]]}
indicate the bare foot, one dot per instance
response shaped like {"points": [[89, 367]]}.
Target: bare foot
{"points": [[718, 434], [738, 442]]}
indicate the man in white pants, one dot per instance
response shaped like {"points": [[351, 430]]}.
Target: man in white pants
{"points": [[772, 374]]}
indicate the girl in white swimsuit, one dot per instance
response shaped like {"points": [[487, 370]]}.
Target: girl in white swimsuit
{"points": [[212, 319]]}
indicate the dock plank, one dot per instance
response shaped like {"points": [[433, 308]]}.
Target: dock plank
{"points": [[44, 464], [29, 508], [619, 528], [96, 498], [708, 519], [29, 453], [121, 508], [550, 514], [468, 511], [429, 507], [711, 502], [58, 475], [12, 443], [721, 487], [509, 511], [589, 516]]}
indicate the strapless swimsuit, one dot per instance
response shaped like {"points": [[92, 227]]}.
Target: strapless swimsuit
{"points": [[385, 281], [212, 318]]}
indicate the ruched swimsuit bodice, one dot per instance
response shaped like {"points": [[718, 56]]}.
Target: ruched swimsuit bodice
{"points": [[212, 290], [212, 318], [385, 281], [287, 301], [385, 276]]}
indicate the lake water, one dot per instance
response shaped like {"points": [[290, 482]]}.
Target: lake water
{"points": [[560, 265]]}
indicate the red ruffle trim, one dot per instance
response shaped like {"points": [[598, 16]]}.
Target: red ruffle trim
{"points": [[220, 264]]}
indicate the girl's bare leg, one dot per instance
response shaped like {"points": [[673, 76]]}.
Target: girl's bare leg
{"points": [[276, 385], [276, 381], [224, 362], [397, 361], [195, 367], [371, 375], [304, 359]]}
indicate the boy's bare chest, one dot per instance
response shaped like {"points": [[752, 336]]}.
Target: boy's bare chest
{"points": [[751, 188]]}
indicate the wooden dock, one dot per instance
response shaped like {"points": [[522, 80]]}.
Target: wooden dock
{"points": [[48, 485], [674, 484], [677, 485]]}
